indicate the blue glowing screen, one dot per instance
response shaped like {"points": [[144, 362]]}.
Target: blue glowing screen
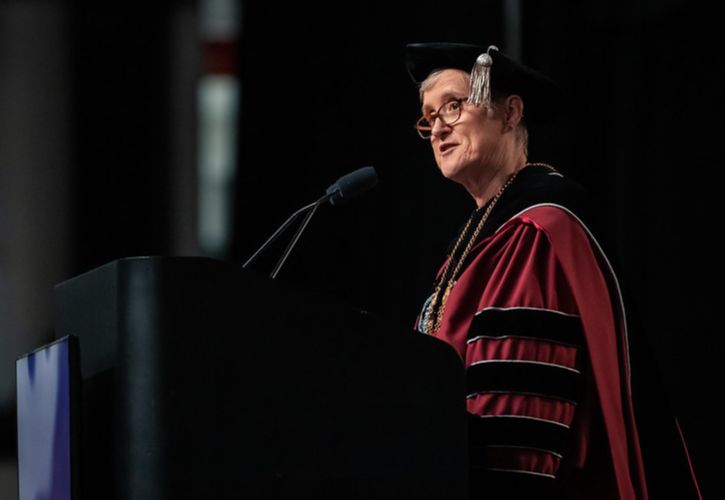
{"points": [[44, 423]]}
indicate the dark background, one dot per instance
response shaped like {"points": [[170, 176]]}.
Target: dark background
{"points": [[324, 92]]}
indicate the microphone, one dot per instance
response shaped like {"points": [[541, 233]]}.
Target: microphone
{"points": [[351, 185], [344, 189]]}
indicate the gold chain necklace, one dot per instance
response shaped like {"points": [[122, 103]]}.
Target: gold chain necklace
{"points": [[433, 323]]}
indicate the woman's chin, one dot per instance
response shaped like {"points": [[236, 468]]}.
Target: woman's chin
{"points": [[450, 171]]}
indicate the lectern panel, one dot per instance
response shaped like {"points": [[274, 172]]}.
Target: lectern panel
{"points": [[202, 380]]}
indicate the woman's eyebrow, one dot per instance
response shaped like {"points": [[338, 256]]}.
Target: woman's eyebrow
{"points": [[445, 97]]}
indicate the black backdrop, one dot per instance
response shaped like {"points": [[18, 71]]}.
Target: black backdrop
{"points": [[324, 91]]}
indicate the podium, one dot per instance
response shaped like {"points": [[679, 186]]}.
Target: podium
{"points": [[203, 380]]}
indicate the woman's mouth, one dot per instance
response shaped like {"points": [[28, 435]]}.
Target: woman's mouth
{"points": [[443, 148]]}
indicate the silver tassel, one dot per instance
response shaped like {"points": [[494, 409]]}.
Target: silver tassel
{"points": [[480, 88]]}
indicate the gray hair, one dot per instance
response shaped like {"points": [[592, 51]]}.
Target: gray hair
{"points": [[522, 132]]}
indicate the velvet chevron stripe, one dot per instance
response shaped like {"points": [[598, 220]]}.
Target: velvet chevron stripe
{"points": [[523, 377], [521, 432], [542, 324]]}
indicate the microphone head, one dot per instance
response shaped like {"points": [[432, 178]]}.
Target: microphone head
{"points": [[351, 185]]}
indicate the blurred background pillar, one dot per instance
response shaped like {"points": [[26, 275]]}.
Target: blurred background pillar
{"points": [[218, 105], [34, 161], [185, 56]]}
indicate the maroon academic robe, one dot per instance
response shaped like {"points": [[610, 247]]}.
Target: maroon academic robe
{"points": [[537, 318]]}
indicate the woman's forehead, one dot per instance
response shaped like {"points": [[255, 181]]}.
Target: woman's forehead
{"points": [[454, 77], [448, 83]]}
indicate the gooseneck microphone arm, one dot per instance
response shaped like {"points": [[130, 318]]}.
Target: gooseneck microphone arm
{"points": [[344, 189], [284, 226], [296, 237]]}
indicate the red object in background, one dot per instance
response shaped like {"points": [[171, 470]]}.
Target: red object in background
{"points": [[220, 56]]}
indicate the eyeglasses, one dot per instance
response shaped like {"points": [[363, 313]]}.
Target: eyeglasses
{"points": [[449, 113]]}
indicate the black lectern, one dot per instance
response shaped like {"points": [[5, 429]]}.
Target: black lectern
{"points": [[203, 380]]}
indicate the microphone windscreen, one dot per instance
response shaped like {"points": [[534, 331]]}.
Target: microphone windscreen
{"points": [[353, 184]]}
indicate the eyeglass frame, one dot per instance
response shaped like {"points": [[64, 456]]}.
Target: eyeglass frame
{"points": [[436, 115]]}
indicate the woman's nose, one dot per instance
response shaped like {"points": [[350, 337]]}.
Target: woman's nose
{"points": [[440, 128]]}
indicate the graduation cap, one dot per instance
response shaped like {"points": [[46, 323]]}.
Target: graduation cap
{"points": [[492, 72]]}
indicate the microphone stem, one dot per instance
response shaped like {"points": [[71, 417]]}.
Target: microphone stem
{"points": [[284, 226], [295, 238], [276, 234]]}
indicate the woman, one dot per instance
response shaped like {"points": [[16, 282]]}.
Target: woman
{"points": [[526, 296]]}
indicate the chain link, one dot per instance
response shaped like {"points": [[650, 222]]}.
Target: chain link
{"points": [[432, 324]]}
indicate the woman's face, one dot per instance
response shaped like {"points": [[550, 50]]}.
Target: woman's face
{"points": [[466, 149]]}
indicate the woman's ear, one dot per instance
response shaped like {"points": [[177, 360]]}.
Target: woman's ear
{"points": [[513, 111]]}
